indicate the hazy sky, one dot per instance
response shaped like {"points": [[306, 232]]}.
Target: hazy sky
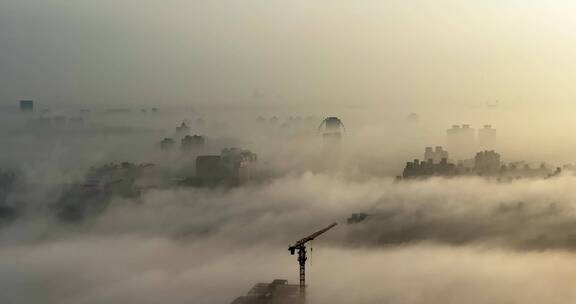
{"points": [[422, 52], [457, 240]]}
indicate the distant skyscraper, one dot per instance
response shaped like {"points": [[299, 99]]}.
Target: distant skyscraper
{"points": [[429, 153], [26, 105], [468, 138], [461, 141], [487, 138], [452, 137]]}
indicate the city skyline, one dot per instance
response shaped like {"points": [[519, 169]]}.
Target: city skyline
{"points": [[287, 152]]}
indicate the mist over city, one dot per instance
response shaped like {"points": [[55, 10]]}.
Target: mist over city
{"points": [[266, 152]]}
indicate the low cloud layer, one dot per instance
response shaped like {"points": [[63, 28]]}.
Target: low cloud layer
{"points": [[152, 270], [435, 241]]}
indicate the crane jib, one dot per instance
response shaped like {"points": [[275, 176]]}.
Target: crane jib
{"points": [[311, 237]]}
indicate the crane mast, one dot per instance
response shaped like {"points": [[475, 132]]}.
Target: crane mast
{"points": [[300, 246]]}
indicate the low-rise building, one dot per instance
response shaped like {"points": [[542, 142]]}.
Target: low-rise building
{"points": [[418, 169], [277, 292], [182, 129], [167, 144], [487, 162], [435, 155], [233, 167], [192, 143]]}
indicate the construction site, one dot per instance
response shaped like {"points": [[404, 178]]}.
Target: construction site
{"points": [[279, 291]]}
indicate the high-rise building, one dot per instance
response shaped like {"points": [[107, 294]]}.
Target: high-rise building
{"points": [[487, 138], [468, 138], [461, 141], [428, 153], [452, 136], [26, 105]]}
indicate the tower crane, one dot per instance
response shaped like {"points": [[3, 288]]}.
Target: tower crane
{"points": [[300, 246]]}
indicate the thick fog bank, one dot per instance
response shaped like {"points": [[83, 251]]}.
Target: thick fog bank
{"points": [[153, 270], [523, 214], [435, 241]]}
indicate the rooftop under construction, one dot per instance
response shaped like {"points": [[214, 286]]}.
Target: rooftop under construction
{"points": [[279, 291]]}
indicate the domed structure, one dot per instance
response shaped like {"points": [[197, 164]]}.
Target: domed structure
{"points": [[332, 130], [332, 124]]}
